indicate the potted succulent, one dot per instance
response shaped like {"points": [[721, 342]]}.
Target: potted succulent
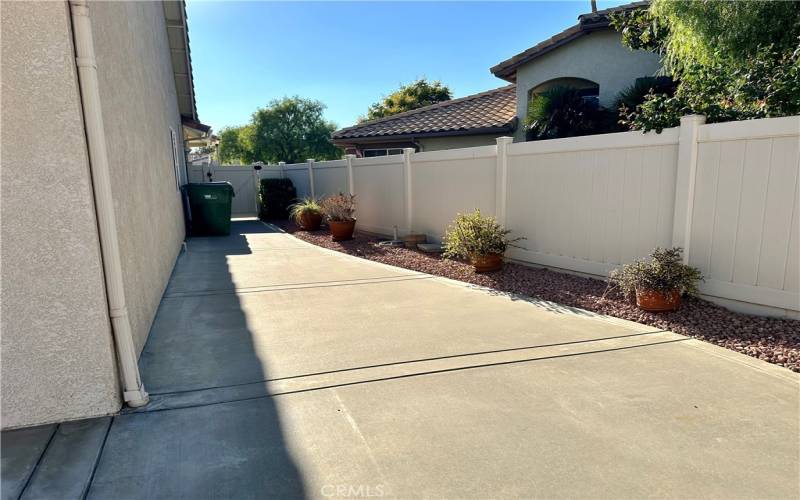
{"points": [[338, 211], [479, 239], [307, 213], [657, 282]]}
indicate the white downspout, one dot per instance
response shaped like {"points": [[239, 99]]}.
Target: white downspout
{"points": [[132, 389]]}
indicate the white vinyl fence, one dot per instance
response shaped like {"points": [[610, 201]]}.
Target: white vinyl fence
{"points": [[727, 193], [243, 178]]}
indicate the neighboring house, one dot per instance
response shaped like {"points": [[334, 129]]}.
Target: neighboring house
{"points": [[589, 56], [475, 120], [199, 159], [98, 101]]}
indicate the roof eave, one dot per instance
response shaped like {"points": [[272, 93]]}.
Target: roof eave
{"points": [[181, 57], [507, 70]]}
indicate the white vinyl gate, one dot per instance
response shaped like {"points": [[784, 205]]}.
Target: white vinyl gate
{"points": [[243, 178]]}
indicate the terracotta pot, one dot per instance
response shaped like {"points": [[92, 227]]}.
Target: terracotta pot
{"points": [[342, 230], [487, 263], [655, 301], [309, 221]]}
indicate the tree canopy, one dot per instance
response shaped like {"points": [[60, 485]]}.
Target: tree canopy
{"points": [[412, 96], [732, 60], [291, 129], [235, 144]]}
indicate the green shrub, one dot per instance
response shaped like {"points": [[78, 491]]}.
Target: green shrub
{"points": [[663, 272], [473, 235], [275, 196]]}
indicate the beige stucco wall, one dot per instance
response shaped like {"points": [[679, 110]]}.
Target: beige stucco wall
{"points": [[138, 96], [461, 141], [599, 56], [55, 344]]}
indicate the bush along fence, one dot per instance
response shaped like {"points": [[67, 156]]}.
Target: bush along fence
{"points": [[727, 193]]}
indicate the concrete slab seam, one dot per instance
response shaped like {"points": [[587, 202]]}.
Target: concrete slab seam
{"points": [[411, 361], [296, 286], [412, 375], [97, 459], [29, 479]]}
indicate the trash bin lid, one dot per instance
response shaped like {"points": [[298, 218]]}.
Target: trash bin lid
{"points": [[212, 186]]}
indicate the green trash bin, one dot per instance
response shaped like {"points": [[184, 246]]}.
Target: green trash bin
{"points": [[210, 208]]}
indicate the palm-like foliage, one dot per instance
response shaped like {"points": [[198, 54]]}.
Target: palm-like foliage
{"points": [[562, 111]]}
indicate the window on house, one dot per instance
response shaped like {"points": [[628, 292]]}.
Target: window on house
{"points": [[591, 95], [588, 90], [369, 153]]}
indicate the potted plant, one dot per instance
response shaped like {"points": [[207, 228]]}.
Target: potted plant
{"points": [[479, 239], [338, 211], [657, 282], [307, 213]]}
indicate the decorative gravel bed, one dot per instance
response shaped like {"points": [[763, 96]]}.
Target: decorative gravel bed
{"points": [[770, 339]]}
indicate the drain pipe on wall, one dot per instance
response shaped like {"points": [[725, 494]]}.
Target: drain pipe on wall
{"points": [[132, 389]]}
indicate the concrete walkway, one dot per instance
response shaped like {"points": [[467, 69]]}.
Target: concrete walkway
{"points": [[282, 370]]}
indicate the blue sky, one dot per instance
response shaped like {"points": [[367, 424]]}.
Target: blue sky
{"points": [[349, 54]]}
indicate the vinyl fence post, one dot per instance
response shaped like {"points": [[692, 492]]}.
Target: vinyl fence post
{"points": [[311, 176], [407, 153], [501, 180], [257, 183], [685, 182], [349, 160], [280, 166]]}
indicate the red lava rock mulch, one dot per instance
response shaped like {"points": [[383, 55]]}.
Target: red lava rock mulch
{"points": [[770, 339]]}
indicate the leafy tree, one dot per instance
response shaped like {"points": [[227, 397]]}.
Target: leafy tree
{"points": [[640, 30], [235, 145], [561, 111], [412, 96], [291, 129], [733, 60], [729, 33]]}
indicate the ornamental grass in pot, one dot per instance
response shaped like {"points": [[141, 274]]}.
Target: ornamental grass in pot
{"points": [[657, 282], [339, 210], [479, 239], [307, 213]]}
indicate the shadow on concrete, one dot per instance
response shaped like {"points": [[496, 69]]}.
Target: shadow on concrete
{"points": [[229, 450]]}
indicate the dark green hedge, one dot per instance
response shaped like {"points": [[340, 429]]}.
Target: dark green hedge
{"points": [[276, 195]]}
